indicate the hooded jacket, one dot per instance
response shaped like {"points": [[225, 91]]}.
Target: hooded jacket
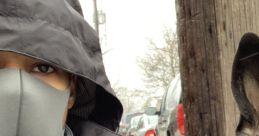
{"points": [[55, 31], [246, 63]]}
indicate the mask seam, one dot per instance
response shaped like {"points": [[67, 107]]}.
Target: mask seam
{"points": [[20, 103]]}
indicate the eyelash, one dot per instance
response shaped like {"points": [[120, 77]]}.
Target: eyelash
{"points": [[37, 68]]}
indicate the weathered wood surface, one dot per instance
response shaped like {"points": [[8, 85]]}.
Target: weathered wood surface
{"points": [[209, 32]]}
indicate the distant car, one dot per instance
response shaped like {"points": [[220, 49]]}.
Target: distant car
{"points": [[133, 125], [145, 125], [125, 122], [171, 116]]}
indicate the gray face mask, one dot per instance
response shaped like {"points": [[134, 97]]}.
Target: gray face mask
{"points": [[29, 106]]}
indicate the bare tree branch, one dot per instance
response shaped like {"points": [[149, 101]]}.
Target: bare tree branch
{"points": [[161, 64]]}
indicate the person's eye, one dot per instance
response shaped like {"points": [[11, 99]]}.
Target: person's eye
{"points": [[43, 68]]}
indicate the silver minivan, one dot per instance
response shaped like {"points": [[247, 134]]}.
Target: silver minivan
{"points": [[168, 120]]}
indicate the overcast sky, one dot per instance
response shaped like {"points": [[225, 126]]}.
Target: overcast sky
{"points": [[129, 23]]}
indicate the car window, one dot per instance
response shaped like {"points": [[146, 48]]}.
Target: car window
{"points": [[129, 116]]}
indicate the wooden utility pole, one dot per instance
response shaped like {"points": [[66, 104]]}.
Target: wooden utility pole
{"points": [[209, 32], [96, 16]]}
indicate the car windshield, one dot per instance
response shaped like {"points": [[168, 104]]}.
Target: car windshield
{"points": [[127, 117]]}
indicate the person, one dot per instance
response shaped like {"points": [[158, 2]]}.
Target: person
{"points": [[52, 78], [245, 81]]}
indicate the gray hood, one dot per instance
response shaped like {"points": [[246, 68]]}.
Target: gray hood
{"points": [[53, 31], [245, 63]]}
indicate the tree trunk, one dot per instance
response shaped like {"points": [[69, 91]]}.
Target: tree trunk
{"points": [[209, 32]]}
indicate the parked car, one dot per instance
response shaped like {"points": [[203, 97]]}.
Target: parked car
{"points": [[171, 116], [133, 125], [125, 122], [143, 125]]}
